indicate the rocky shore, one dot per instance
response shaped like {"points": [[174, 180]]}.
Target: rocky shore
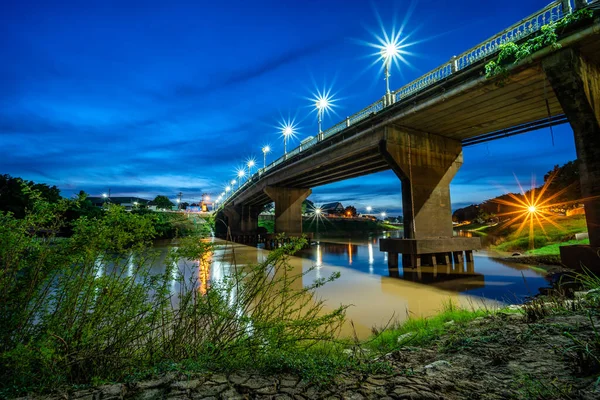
{"points": [[517, 354]]}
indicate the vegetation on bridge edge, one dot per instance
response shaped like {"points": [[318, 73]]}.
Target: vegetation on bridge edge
{"points": [[511, 53]]}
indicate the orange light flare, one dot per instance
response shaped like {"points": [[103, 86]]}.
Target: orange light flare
{"points": [[204, 273], [534, 208]]}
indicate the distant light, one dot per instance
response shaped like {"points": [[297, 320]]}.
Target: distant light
{"points": [[227, 189], [266, 149], [532, 209], [383, 214], [179, 201], [241, 173], [318, 210], [207, 197], [233, 181], [135, 203], [251, 163], [222, 194], [104, 195], [369, 208]]}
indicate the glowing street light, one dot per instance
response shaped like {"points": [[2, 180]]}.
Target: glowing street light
{"points": [[369, 209], [389, 52], [287, 131], [104, 195], [323, 102], [241, 173], [383, 215], [265, 150], [318, 211], [250, 164]]}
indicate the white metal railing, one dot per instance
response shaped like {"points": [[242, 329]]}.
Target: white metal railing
{"points": [[527, 26]]}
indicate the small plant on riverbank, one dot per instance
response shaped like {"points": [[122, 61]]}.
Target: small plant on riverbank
{"points": [[91, 308], [422, 331]]}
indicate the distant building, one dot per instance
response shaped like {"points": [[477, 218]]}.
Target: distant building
{"points": [[127, 202], [332, 208]]}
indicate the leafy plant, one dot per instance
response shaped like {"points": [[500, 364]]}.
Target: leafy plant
{"points": [[511, 52]]}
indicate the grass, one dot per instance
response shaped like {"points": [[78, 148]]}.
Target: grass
{"points": [[473, 227], [553, 249], [545, 235], [423, 331]]}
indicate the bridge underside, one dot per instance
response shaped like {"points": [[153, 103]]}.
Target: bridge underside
{"points": [[463, 108]]}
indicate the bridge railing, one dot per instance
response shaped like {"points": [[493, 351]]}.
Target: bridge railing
{"points": [[527, 26]]}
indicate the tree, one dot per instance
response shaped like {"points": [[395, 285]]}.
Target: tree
{"points": [[18, 195], [162, 202], [350, 211]]}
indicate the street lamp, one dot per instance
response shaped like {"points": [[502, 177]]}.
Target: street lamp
{"points": [[265, 150], [250, 165], [323, 103], [383, 215], [241, 173], [318, 211], [369, 209], [287, 130]]}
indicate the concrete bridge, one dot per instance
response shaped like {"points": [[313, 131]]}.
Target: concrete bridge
{"points": [[419, 131]]}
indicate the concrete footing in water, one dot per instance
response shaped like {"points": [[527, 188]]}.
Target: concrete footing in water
{"points": [[432, 251]]}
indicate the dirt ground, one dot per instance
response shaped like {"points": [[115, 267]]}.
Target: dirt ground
{"points": [[505, 356]]}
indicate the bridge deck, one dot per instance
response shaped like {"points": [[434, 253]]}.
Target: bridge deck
{"points": [[463, 106]]}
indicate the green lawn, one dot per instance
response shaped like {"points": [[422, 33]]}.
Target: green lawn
{"points": [[547, 237]]}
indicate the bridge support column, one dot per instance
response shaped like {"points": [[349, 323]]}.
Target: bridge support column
{"points": [[576, 83], [233, 219], [288, 208], [249, 219], [425, 164]]}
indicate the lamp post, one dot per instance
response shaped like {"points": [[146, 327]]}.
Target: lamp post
{"points": [[369, 209], [265, 150], [287, 130], [389, 51], [241, 174], [323, 102], [318, 214], [250, 165]]}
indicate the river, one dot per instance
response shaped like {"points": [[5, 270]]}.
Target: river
{"points": [[375, 295]]}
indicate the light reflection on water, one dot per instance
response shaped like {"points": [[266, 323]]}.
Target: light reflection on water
{"points": [[376, 295]]}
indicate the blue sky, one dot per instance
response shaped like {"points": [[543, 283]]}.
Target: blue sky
{"points": [[149, 98]]}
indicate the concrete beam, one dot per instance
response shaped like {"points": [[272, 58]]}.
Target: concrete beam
{"points": [[576, 83], [425, 164], [288, 208]]}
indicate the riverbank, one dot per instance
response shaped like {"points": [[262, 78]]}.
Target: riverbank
{"points": [[535, 245], [547, 349], [336, 225]]}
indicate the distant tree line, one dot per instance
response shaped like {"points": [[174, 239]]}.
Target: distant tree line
{"points": [[562, 184]]}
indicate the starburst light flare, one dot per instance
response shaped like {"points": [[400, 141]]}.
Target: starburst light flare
{"points": [[533, 209]]}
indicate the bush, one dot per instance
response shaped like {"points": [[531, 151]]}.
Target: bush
{"points": [[89, 309]]}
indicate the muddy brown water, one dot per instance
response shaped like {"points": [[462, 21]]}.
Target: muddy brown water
{"points": [[377, 295]]}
